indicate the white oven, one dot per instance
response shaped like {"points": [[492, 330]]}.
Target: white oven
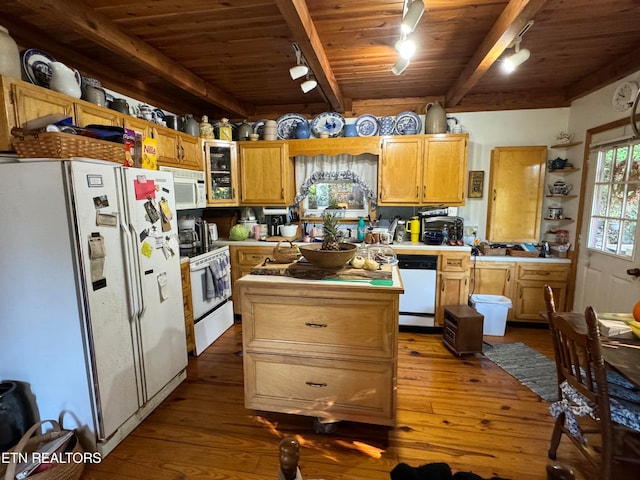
{"points": [[210, 275], [189, 188]]}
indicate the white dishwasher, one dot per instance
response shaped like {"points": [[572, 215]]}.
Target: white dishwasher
{"points": [[418, 302]]}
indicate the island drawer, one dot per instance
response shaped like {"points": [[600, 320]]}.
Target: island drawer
{"points": [[542, 271], [346, 327], [360, 391]]}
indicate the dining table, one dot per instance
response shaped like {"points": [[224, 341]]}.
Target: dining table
{"points": [[621, 353]]}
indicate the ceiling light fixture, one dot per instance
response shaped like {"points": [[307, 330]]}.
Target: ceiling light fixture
{"points": [[412, 15], [302, 70], [308, 85], [521, 55]]}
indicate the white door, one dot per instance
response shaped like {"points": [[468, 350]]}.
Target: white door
{"points": [[97, 207], [153, 232], [610, 239]]}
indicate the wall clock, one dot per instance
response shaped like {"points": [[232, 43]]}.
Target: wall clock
{"points": [[624, 96]]}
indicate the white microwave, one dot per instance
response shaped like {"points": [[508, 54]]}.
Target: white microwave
{"points": [[189, 188]]}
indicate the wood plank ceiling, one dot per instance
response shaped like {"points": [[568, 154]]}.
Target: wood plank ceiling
{"points": [[232, 57]]}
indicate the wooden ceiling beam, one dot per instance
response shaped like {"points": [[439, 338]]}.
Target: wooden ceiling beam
{"points": [[298, 18], [100, 29], [515, 16]]}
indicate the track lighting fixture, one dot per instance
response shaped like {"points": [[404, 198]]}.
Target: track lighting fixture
{"points": [[412, 15], [521, 55], [298, 71], [302, 70], [308, 85]]}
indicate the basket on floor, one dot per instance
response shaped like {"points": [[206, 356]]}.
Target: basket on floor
{"points": [[73, 464], [66, 145]]}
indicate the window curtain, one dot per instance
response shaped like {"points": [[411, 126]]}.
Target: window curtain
{"points": [[361, 169]]}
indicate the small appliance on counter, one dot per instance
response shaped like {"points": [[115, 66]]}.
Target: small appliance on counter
{"points": [[434, 230], [274, 217], [188, 235]]}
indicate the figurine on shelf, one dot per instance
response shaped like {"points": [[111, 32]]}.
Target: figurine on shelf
{"points": [[206, 129], [564, 137], [224, 130]]}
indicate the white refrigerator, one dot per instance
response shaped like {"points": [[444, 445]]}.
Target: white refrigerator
{"points": [[91, 307]]}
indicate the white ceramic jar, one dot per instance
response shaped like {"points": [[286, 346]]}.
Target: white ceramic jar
{"points": [[9, 55]]}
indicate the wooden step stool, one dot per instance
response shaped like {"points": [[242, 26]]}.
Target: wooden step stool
{"points": [[462, 330]]}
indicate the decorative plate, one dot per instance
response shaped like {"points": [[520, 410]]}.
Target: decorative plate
{"points": [[287, 125], [367, 125], [327, 122], [36, 66], [407, 121]]}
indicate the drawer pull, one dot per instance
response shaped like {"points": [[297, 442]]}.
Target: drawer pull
{"points": [[316, 325], [315, 385], [541, 273]]}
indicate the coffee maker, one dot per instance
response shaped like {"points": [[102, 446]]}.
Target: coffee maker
{"points": [[274, 217]]}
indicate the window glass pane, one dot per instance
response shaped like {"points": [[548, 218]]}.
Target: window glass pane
{"points": [[620, 169], [628, 238], [631, 208], [634, 175], [600, 200], [596, 234], [615, 203], [604, 172], [611, 238]]}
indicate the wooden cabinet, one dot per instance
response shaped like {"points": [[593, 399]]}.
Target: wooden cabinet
{"points": [[528, 294], [516, 191], [243, 259], [144, 128], [188, 308], [90, 114], [177, 149], [221, 166], [423, 170], [22, 101], [320, 349], [266, 173], [493, 278], [453, 282]]}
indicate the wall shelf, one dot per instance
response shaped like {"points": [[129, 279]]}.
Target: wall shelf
{"points": [[565, 145], [563, 170], [561, 196], [561, 220]]}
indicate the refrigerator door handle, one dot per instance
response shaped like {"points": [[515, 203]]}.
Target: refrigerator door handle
{"points": [[131, 300], [142, 307]]}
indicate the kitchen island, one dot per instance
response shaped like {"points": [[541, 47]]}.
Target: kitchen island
{"points": [[321, 348]]}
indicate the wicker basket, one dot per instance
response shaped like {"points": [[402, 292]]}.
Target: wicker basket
{"points": [[286, 254], [522, 253], [31, 440], [492, 252], [66, 145]]}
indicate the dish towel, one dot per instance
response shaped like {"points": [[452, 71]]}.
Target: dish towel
{"points": [[218, 279]]}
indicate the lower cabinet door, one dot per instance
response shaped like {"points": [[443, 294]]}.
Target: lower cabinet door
{"points": [[324, 388]]}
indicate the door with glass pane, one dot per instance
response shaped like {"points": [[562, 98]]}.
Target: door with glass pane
{"points": [[222, 173], [610, 238]]}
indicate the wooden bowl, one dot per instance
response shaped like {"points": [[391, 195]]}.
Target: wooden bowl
{"points": [[328, 258]]}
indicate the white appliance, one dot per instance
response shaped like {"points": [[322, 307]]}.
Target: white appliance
{"points": [[212, 312], [90, 292], [189, 187], [418, 302]]}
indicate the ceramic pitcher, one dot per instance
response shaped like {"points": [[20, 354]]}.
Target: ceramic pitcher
{"points": [[436, 118], [65, 80]]}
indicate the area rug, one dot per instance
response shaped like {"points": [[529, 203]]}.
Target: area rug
{"points": [[528, 366]]}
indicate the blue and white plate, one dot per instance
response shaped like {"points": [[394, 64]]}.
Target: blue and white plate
{"points": [[327, 122], [287, 125], [407, 121], [36, 65], [367, 125]]}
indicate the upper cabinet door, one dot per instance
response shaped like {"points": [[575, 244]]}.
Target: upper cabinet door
{"points": [[90, 114], [33, 102], [266, 173], [400, 170], [445, 170], [516, 191]]}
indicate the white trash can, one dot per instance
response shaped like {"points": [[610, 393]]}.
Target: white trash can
{"points": [[495, 309]]}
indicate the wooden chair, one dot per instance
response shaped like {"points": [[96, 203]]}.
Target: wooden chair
{"points": [[582, 377], [551, 310]]}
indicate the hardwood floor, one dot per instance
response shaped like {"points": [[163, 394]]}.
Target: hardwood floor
{"points": [[465, 411]]}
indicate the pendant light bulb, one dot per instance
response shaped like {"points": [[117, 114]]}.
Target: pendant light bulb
{"points": [[406, 48], [412, 16], [308, 85], [514, 61]]}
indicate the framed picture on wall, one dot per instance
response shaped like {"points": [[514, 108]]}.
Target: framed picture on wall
{"points": [[476, 184]]}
